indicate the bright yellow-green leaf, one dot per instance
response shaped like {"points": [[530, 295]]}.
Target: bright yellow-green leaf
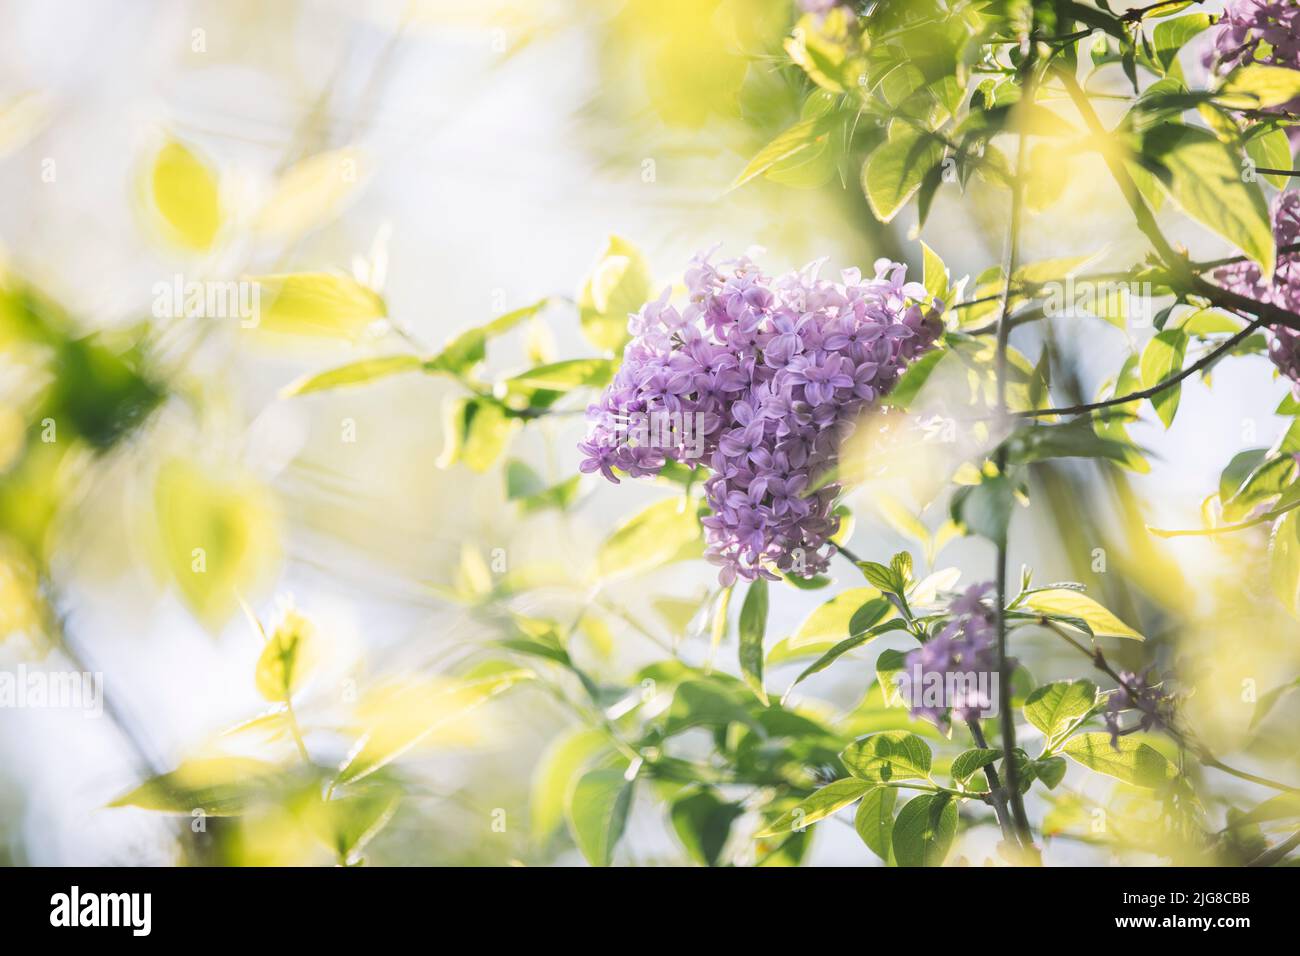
{"points": [[1272, 150], [1076, 604], [219, 786], [1284, 560], [1129, 760], [287, 657], [924, 830], [323, 304], [354, 373], [186, 196], [1053, 707], [1162, 359], [823, 628], [801, 138], [659, 534], [477, 433], [596, 810], [558, 768], [618, 286], [562, 376], [1260, 86], [821, 804], [311, 193], [894, 170], [218, 536], [1206, 181], [397, 717]]}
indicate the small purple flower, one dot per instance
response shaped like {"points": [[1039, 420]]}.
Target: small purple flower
{"points": [[965, 648], [1154, 707]]}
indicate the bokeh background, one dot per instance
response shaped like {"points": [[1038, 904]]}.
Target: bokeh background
{"points": [[491, 151]]}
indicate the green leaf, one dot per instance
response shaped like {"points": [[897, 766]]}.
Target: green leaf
{"points": [[825, 627], [460, 354], [1054, 707], [355, 373], [708, 703], [286, 659], [984, 509], [561, 762], [970, 762], [618, 286], [562, 376], [1170, 36], [1133, 762], [857, 639], [596, 812], [889, 665], [1268, 476], [478, 430], [913, 379], [881, 577], [894, 170], [400, 717], [935, 274], [798, 139], [892, 755], [321, 304], [219, 786], [1050, 770], [217, 534], [753, 625], [1206, 181], [346, 824], [1161, 360], [1067, 603], [924, 830], [702, 821], [874, 820], [818, 806], [1266, 703], [656, 536], [1284, 560], [1076, 439], [186, 196], [1259, 86], [1272, 150]]}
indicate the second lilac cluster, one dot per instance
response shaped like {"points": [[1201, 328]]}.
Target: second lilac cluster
{"points": [[953, 674], [759, 379], [1283, 290], [1256, 31]]}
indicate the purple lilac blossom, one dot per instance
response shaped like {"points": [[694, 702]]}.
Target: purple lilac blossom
{"points": [[1258, 31], [1283, 290], [1137, 693], [966, 646], [776, 371]]}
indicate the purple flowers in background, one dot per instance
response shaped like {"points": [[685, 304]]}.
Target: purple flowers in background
{"points": [[956, 669], [1257, 31], [777, 371], [1284, 289], [1136, 692]]}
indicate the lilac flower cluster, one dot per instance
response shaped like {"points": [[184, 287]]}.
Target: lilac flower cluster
{"points": [[1257, 31], [1137, 693], [775, 373], [955, 672], [1283, 290]]}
